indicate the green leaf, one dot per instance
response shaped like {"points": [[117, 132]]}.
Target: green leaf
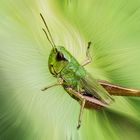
{"points": [[27, 113]]}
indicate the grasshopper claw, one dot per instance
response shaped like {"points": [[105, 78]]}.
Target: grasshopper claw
{"points": [[78, 126]]}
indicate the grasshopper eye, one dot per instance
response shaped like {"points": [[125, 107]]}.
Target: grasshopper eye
{"points": [[60, 57]]}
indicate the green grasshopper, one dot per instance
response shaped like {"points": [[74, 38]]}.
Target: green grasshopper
{"points": [[76, 81]]}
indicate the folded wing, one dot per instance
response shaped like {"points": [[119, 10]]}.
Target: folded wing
{"points": [[93, 88]]}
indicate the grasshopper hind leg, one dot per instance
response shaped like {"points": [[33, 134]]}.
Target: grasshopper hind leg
{"points": [[82, 101], [81, 113], [85, 101]]}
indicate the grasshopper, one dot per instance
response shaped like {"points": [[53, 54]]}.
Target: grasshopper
{"points": [[77, 82]]}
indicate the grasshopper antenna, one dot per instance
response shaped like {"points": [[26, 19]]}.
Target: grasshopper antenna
{"points": [[49, 34]]}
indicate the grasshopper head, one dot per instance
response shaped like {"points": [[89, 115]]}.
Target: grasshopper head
{"points": [[58, 56], [57, 60]]}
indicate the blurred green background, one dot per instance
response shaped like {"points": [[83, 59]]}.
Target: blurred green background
{"points": [[26, 113]]}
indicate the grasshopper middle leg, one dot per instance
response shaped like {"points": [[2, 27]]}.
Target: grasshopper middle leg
{"points": [[88, 57]]}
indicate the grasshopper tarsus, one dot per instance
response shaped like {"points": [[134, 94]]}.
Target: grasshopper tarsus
{"points": [[46, 88], [43, 89], [78, 126], [89, 43]]}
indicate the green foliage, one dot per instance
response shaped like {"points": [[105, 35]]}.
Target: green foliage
{"points": [[27, 113]]}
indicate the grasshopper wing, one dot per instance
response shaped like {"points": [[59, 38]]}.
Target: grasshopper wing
{"points": [[93, 88]]}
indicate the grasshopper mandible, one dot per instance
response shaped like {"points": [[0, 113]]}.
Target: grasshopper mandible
{"points": [[77, 82]]}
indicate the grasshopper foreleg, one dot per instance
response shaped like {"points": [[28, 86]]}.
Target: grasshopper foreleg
{"points": [[88, 57], [60, 82], [45, 88]]}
